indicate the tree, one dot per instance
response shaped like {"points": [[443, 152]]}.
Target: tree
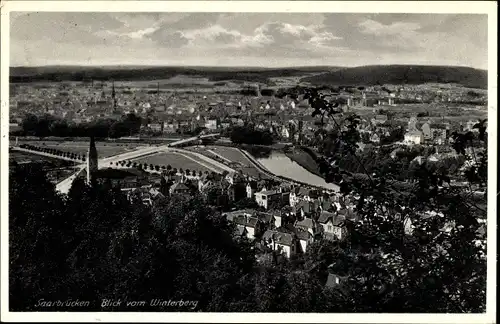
{"points": [[392, 268]]}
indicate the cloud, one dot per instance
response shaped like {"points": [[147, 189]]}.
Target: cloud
{"points": [[284, 34], [249, 38], [370, 26], [212, 36], [168, 38]]}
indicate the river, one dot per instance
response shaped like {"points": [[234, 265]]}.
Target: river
{"points": [[281, 165]]}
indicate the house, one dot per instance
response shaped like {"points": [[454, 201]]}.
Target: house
{"points": [[285, 132], [307, 224], [240, 232], [155, 127], [300, 193], [305, 238], [469, 126], [229, 190], [266, 198], [285, 243], [247, 222], [426, 131], [303, 208], [333, 225], [170, 127], [211, 124], [179, 188], [251, 188], [414, 137], [334, 280], [379, 119], [439, 135], [147, 195]]}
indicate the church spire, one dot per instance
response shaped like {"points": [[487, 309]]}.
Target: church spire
{"points": [[113, 95], [92, 165]]}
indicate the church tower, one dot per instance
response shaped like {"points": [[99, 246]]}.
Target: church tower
{"points": [[91, 160], [113, 96]]}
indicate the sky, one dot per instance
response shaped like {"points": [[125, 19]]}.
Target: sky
{"points": [[247, 39]]}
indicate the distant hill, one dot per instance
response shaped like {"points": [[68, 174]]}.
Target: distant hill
{"points": [[402, 74], [139, 73]]}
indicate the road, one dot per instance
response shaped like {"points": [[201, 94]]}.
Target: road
{"points": [[65, 184]]}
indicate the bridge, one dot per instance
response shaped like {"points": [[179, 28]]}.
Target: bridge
{"points": [[192, 139]]}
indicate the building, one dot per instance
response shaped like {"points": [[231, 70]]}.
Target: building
{"points": [[92, 164], [414, 137], [170, 127], [155, 127], [379, 119], [211, 124], [307, 224], [439, 135], [179, 188], [267, 198], [426, 130], [251, 188], [333, 225], [284, 243], [285, 133], [246, 221]]}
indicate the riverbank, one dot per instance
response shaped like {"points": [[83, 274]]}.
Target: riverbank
{"points": [[303, 158]]}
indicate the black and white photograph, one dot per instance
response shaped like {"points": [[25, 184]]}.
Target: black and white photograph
{"points": [[277, 162]]}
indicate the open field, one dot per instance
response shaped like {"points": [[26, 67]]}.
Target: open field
{"points": [[436, 111], [230, 154], [48, 162], [177, 161], [103, 149]]}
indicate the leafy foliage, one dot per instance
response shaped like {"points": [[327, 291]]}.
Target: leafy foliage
{"points": [[412, 240]]}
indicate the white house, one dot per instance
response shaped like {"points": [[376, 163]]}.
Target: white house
{"points": [[251, 188], [211, 124], [266, 197], [414, 137], [285, 133]]}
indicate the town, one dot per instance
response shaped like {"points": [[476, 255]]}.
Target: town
{"points": [[274, 209], [144, 167]]}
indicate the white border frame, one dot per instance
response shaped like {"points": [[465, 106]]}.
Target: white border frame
{"points": [[470, 7]]}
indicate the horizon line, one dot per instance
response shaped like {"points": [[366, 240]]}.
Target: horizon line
{"points": [[240, 66]]}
